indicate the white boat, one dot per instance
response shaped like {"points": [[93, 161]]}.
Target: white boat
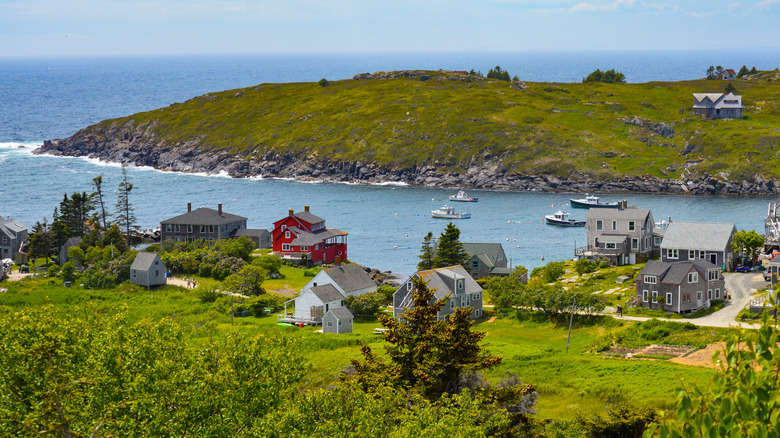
{"points": [[463, 197], [562, 219], [448, 212], [592, 201]]}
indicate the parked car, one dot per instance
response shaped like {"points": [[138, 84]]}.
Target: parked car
{"points": [[742, 269], [767, 275], [758, 267]]}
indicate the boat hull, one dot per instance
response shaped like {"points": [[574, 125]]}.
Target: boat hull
{"points": [[560, 223], [579, 203], [451, 216], [456, 199]]}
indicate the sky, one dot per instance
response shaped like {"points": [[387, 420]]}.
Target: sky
{"points": [[145, 27]]}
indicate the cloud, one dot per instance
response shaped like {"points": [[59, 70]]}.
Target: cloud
{"points": [[699, 14], [768, 3], [590, 7]]}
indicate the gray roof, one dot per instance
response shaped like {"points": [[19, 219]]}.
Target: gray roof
{"points": [[305, 238], [308, 217], [718, 100], [10, 227], [675, 272], [350, 277], [612, 238], [144, 261], [443, 279], [702, 236], [502, 271], [491, 250], [630, 213], [327, 293], [341, 313], [204, 216], [250, 232]]}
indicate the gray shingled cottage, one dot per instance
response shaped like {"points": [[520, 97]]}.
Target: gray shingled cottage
{"points": [[452, 283], [338, 320], [209, 224], [623, 235], [685, 286], [148, 270], [698, 241], [486, 260]]}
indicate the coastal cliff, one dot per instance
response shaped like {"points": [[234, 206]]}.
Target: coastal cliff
{"points": [[453, 130]]}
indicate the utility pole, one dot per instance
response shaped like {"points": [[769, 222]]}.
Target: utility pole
{"points": [[571, 320]]}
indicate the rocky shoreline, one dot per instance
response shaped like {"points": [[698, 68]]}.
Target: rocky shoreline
{"points": [[138, 147]]}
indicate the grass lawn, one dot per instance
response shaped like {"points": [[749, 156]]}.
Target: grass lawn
{"points": [[568, 383]]}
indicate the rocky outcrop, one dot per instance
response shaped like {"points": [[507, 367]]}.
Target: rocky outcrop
{"points": [[137, 145], [663, 129]]}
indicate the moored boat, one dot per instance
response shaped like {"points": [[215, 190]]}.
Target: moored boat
{"points": [[562, 219], [592, 201], [448, 212], [463, 197]]}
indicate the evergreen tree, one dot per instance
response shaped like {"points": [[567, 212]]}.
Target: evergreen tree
{"points": [[743, 71], [753, 70], [75, 212], [98, 183], [729, 88], [125, 214], [43, 242], [449, 251], [426, 253]]}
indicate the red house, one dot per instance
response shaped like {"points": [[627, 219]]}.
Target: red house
{"points": [[304, 233]]}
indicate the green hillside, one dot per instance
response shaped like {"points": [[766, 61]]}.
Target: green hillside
{"points": [[453, 121]]}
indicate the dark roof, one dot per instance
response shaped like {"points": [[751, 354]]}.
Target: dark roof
{"points": [[204, 216], [250, 232], [327, 293], [308, 217], [143, 261], [341, 313], [630, 213], [703, 236], [491, 250], [305, 238], [675, 272], [350, 277], [612, 238]]}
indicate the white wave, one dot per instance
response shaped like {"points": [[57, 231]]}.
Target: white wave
{"points": [[98, 162], [20, 145], [391, 183], [220, 174]]}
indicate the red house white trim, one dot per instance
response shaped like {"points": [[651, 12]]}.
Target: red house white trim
{"points": [[304, 233]]}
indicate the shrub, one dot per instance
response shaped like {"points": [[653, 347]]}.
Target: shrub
{"points": [[386, 292], [311, 272], [323, 82], [68, 271], [585, 266], [365, 304], [52, 271]]}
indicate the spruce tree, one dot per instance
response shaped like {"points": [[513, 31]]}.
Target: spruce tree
{"points": [[743, 71], [98, 183], [450, 251], [426, 253], [125, 214]]}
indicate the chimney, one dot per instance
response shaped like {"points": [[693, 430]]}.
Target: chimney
{"points": [[306, 208], [219, 209], [292, 212], [189, 207]]}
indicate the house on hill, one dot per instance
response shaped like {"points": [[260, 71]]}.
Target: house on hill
{"points": [[623, 235], [717, 105], [209, 224], [303, 235], [148, 270], [452, 284], [685, 241], [728, 75], [348, 279], [684, 286], [12, 236], [486, 260]]}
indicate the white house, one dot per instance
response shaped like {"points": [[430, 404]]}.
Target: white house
{"points": [[313, 303], [348, 279]]}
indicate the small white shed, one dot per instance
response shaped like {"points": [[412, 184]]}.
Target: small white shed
{"points": [[338, 320], [148, 270]]}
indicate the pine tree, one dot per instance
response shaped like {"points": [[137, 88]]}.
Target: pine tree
{"points": [[125, 215], [43, 242], [743, 71], [98, 183], [753, 70], [450, 251], [75, 212], [426, 253]]}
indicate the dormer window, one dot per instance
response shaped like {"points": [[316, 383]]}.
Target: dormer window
{"points": [[460, 285], [693, 277], [409, 286], [651, 279], [286, 234]]}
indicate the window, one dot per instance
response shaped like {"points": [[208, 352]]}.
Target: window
{"points": [[409, 286], [189, 228], [610, 245], [693, 277], [304, 248], [284, 227], [176, 228], [452, 304], [701, 255], [712, 275], [168, 227], [599, 225], [657, 241], [655, 297], [156, 272], [286, 234], [672, 253], [133, 273], [614, 225], [686, 298], [202, 229], [644, 296], [285, 247], [634, 243], [698, 296], [211, 228], [476, 313], [691, 254], [460, 284], [668, 298], [709, 294], [717, 294], [475, 297], [330, 323], [651, 279], [631, 226], [475, 264]]}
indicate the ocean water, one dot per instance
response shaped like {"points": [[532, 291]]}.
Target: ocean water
{"points": [[50, 98]]}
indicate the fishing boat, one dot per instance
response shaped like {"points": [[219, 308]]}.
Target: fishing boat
{"points": [[448, 212], [591, 201], [463, 197], [562, 219]]}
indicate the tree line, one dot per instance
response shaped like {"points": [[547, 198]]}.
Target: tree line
{"points": [[496, 73]]}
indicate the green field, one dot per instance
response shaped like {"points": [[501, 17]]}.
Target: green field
{"points": [[580, 381], [571, 130]]}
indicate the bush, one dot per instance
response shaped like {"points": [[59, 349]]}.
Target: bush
{"points": [[207, 294], [323, 82], [365, 304], [311, 272], [585, 266], [386, 292], [52, 271], [68, 271]]}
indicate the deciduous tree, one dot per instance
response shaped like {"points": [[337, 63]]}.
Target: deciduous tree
{"points": [[748, 242]]}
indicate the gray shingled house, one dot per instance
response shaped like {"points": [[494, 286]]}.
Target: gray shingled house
{"points": [[338, 320], [148, 270], [718, 105], [486, 260], [698, 241], [685, 286], [12, 235], [261, 237], [623, 235], [452, 283], [209, 224]]}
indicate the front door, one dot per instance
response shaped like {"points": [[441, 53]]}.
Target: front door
{"points": [[714, 259]]}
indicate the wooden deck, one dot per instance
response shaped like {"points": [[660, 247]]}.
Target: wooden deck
{"points": [[291, 319]]}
